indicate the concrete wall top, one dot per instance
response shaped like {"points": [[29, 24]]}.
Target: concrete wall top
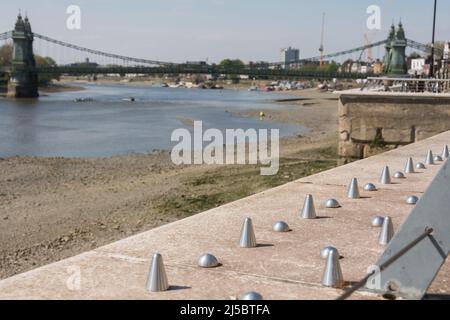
{"points": [[424, 95], [283, 266]]}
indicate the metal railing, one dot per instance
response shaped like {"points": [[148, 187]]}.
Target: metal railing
{"points": [[348, 293], [406, 85]]}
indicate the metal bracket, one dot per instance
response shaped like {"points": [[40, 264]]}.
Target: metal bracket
{"points": [[412, 274]]}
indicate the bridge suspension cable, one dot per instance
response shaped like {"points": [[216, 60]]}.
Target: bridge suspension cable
{"points": [[101, 53], [6, 35], [335, 54], [410, 43], [423, 47], [341, 53]]}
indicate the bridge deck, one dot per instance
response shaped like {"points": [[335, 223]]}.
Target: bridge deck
{"points": [[285, 266]]}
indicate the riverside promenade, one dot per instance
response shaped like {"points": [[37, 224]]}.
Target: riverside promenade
{"points": [[283, 266]]}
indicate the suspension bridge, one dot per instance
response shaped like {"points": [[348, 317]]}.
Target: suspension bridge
{"points": [[70, 59]]}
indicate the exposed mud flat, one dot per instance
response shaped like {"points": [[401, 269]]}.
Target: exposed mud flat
{"points": [[54, 208]]}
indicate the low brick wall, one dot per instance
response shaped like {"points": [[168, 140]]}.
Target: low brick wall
{"points": [[368, 122]]}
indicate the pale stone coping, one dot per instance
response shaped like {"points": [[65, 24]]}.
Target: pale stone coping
{"points": [[286, 266], [407, 79], [359, 92]]}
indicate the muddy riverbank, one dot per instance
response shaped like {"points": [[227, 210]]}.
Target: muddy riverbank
{"points": [[54, 208]]}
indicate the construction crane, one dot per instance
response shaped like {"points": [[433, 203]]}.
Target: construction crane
{"points": [[369, 49], [321, 49]]}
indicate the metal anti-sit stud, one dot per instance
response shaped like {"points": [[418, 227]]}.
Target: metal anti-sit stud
{"points": [[353, 190], [157, 278], [309, 210], [248, 239]]}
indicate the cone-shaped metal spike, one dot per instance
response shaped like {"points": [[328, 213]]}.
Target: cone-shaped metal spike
{"points": [[370, 187], [332, 204], [248, 239], [430, 158], [409, 168], [208, 261], [438, 159], [281, 226], [445, 153], [387, 232], [420, 166], [412, 200], [377, 222], [332, 276], [157, 278], [309, 210], [399, 175], [353, 189], [251, 296], [325, 252], [386, 176]]}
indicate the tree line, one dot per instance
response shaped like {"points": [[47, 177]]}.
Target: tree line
{"points": [[6, 52]]}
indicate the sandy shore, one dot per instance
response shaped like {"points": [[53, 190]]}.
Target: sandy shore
{"points": [[54, 208]]}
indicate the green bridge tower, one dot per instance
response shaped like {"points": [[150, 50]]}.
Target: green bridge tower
{"points": [[395, 59], [24, 81], [387, 57]]}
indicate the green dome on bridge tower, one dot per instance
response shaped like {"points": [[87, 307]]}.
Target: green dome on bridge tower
{"points": [[27, 26], [20, 24], [400, 34]]}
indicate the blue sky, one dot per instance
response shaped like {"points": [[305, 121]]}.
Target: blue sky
{"points": [[180, 30]]}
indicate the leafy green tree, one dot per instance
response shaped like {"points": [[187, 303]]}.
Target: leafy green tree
{"points": [[331, 67], [6, 55], [414, 55], [310, 67], [234, 65], [46, 79]]}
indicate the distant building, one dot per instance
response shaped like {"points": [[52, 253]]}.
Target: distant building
{"points": [[86, 64], [289, 55], [445, 63], [447, 51], [378, 67], [358, 67], [417, 66], [364, 69], [354, 68]]}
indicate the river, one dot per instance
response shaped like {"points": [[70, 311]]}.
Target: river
{"points": [[57, 126]]}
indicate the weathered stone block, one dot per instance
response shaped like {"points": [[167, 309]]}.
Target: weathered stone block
{"points": [[344, 136], [370, 151], [345, 124], [342, 109], [422, 134], [363, 133], [399, 118], [349, 149], [398, 136]]}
